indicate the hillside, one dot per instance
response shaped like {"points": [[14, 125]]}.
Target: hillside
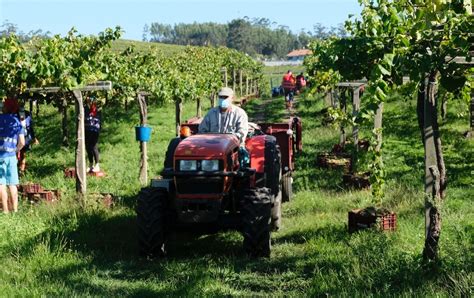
{"points": [[168, 49]]}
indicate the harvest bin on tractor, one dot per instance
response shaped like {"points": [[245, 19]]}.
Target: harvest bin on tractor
{"points": [[210, 184]]}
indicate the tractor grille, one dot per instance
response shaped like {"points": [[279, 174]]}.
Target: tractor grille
{"points": [[201, 185]]}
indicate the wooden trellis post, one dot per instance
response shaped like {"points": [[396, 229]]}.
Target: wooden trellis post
{"points": [[30, 101], [143, 176], [226, 81], [240, 82], [471, 133], [246, 85], [342, 138], [335, 98], [378, 126], [179, 110], [198, 107], [433, 174], [81, 178], [328, 99], [355, 113], [233, 79], [64, 111], [212, 98]]}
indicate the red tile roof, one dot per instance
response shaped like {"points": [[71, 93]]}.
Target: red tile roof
{"points": [[300, 52]]}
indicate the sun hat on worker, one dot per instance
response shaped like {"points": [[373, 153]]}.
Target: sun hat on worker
{"points": [[226, 92]]}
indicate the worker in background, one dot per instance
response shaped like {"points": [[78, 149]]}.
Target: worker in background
{"points": [[289, 85], [300, 83], [92, 126], [12, 139], [30, 138]]}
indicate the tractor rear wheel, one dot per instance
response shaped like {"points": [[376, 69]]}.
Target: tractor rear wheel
{"points": [[276, 212], [256, 217], [151, 210], [287, 187]]}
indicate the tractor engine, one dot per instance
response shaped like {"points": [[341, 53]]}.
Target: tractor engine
{"points": [[204, 169]]}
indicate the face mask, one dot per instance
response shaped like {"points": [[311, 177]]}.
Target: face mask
{"points": [[224, 103]]}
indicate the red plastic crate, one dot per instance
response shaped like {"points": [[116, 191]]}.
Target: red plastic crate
{"points": [[359, 220], [45, 195], [70, 172], [359, 181], [331, 160], [105, 199], [108, 200], [96, 174], [388, 222], [30, 188]]}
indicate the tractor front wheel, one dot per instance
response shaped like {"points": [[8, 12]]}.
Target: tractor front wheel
{"points": [[151, 210], [256, 216]]}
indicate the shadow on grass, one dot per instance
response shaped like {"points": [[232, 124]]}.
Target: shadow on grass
{"points": [[310, 176], [333, 233], [109, 245], [112, 239], [366, 262]]}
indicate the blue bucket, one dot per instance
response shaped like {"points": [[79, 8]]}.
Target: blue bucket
{"points": [[142, 133]]}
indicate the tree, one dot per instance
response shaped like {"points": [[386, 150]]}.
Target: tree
{"points": [[160, 32], [146, 32], [239, 37]]}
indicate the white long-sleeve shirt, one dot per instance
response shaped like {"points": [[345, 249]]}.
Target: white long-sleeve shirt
{"points": [[234, 120]]}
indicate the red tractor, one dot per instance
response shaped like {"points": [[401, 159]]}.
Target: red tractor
{"points": [[209, 183]]}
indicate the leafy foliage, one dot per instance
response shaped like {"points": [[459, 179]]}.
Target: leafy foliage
{"points": [[393, 39], [76, 60]]}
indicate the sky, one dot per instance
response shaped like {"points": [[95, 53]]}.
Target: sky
{"points": [[93, 16]]}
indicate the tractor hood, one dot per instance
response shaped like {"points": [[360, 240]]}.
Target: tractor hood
{"points": [[207, 146]]}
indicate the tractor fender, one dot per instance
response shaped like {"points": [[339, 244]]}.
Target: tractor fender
{"points": [[256, 148]]}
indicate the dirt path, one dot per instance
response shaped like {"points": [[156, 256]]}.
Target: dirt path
{"points": [[261, 112]]}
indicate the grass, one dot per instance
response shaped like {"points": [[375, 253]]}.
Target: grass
{"points": [[66, 250]]}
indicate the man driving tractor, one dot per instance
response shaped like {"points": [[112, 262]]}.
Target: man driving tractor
{"points": [[226, 117]]}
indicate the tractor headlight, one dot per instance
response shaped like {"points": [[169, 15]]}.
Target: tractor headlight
{"points": [[210, 165], [187, 165]]}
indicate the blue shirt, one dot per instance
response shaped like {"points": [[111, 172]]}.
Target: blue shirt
{"points": [[10, 129]]}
